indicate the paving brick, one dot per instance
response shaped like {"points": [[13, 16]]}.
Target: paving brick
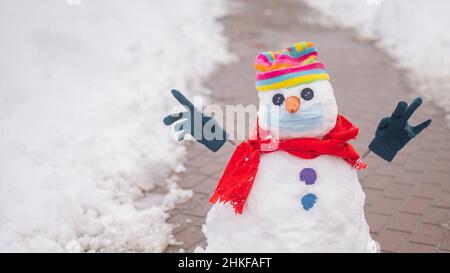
{"points": [[408, 177], [191, 156], [403, 222], [426, 191], [192, 179], [444, 245], [399, 161], [442, 165], [443, 201], [446, 185], [190, 236], [175, 248], [386, 206], [202, 243], [196, 201], [371, 195], [181, 221], [436, 177], [363, 176], [416, 205], [217, 176], [436, 215], [376, 222], [199, 206], [207, 186], [428, 234], [386, 171], [425, 156], [201, 210], [212, 168], [419, 248], [377, 182], [200, 222], [397, 191], [391, 241], [444, 155], [416, 165], [201, 159]]}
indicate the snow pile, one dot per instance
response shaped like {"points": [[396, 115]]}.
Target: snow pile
{"points": [[414, 32], [84, 157]]}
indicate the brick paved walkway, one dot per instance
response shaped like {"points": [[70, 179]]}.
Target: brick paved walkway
{"points": [[408, 201]]}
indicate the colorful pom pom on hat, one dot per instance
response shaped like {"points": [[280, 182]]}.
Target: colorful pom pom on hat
{"points": [[290, 67]]}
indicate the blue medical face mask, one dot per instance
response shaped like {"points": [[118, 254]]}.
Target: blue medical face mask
{"points": [[307, 118]]}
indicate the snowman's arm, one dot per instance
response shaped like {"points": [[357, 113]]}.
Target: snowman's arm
{"points": [[366, 154], [232, 142], [394, 132], [203, 128]]}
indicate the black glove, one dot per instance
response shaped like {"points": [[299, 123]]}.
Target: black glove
{"points": [[203, 128], [394, 132]]}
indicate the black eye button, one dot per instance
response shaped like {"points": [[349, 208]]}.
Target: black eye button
{"points": [[307, 94], [278, 99]]}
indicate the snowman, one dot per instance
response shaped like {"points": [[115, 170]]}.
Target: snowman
{"points": [[293, 186]]}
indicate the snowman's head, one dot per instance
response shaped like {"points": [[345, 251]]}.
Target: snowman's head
{"points": [[307, 110], [296, 98]]}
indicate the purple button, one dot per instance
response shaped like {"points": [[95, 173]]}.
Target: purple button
{"points": [[308, 175]]}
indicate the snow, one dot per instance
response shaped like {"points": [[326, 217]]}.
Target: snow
{"points": [[413, 32], [86, 163]]}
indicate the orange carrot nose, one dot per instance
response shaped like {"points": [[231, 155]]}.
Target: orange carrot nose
{"points": [[292, 104]]}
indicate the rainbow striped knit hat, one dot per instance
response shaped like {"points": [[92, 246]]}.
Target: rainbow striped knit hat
{"points": [[290, 67]]}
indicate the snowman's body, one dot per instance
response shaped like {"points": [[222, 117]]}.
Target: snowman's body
{"points": [[274, 219]]}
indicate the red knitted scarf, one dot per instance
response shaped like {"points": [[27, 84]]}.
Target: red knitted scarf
{"points": [[239, 175]]}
